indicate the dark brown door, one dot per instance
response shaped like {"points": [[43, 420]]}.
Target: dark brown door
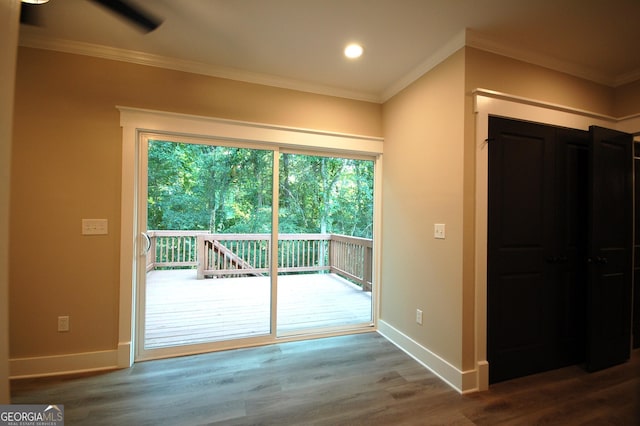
{"points": [[610, 248], [636, 250], [571, 246], [559, 248], [522, 300]]}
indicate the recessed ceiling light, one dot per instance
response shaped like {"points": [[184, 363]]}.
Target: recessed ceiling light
{"points": [[35, 1], [353, 51]]}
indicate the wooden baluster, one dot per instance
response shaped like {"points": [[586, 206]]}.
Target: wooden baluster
{"points": [[368, 269], [202, 256], [174, 245]]}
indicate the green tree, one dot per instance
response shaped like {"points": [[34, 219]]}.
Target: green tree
{"points": [[173, 187], [227, 189]]}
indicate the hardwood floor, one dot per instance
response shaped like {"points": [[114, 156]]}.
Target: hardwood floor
{"points": [[182, 310], [349, 380]]}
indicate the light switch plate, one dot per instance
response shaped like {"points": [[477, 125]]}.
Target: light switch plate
{"points": [[95, 227], [438, 231]]}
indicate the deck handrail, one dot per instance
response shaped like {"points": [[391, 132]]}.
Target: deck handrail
{"points": [[222, 255]]}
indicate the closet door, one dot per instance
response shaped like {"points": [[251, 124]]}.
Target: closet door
{"points": [[610, 248], [570, 246], [522, 260], [560, 236], [636, 249]]}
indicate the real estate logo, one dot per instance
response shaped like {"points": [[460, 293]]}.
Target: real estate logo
{"points": [[32, 415]]}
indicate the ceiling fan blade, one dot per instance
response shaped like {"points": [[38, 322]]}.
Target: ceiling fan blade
{"points": [[132, 13], [30, 14]]}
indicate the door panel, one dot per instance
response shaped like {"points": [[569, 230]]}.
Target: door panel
{"points": [[324, 275], [610, 251], [208, 214], [537, 247], [572, 152], [520, 226], [636, 249]]}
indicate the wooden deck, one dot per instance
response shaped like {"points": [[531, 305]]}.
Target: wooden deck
{"points": [[181, 310]]}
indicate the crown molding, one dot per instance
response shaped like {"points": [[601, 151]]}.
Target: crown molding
{"points": [[480, 41], [149, 59], [629, 77], [448, 49], [487, 43], [464, 38]]}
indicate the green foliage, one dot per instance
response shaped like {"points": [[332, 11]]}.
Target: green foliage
{"points": [[323, 194], [224, 189]]}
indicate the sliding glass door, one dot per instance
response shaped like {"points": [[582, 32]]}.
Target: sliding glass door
{"points": [[209, 216], [208, 211], [325, 246]]}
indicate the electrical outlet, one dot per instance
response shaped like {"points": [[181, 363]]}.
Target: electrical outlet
{"points": [[419, 316], [438, 231], [63, 323]]}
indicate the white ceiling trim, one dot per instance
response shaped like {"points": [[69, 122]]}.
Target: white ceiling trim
{"points": [[464, 38], [627, 78], [448, 49], [142, 58], [489, 44]]}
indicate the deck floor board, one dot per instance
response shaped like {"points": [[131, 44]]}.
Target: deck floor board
{"points": [[182, 310]]}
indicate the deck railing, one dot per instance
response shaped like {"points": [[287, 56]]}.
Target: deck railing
{"points": [[352, 257], [171, 249], [226, 255]]}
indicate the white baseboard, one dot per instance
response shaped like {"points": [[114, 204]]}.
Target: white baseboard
{"points": [[483, 375], [462, 381], [125, 355], [20, 368]]}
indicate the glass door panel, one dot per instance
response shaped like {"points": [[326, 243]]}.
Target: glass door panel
{"points": [[325, 245], [209, 215]]}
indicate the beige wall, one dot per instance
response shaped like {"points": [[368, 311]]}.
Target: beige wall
{"points": [[429, 177], [490, 71], [627, 99], [67, 166], [423, 185], [9, 16]]}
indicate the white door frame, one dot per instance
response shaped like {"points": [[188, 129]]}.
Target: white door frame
{"points": [[486, 103], [136, 122]]}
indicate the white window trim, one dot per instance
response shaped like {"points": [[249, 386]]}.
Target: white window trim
{"points": [[135, 122]]}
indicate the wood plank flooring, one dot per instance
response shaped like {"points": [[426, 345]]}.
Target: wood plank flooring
{"points": [[349, 380], [182, 310]]}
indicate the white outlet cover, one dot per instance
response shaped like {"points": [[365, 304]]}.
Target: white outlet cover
{"points": [[63, 323], [95, 226], [438, 231]]}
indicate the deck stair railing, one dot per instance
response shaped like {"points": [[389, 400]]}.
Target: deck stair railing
{"points": [[227, 255]]}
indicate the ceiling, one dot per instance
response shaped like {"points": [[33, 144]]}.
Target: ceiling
{"points": [[298, 43]]}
